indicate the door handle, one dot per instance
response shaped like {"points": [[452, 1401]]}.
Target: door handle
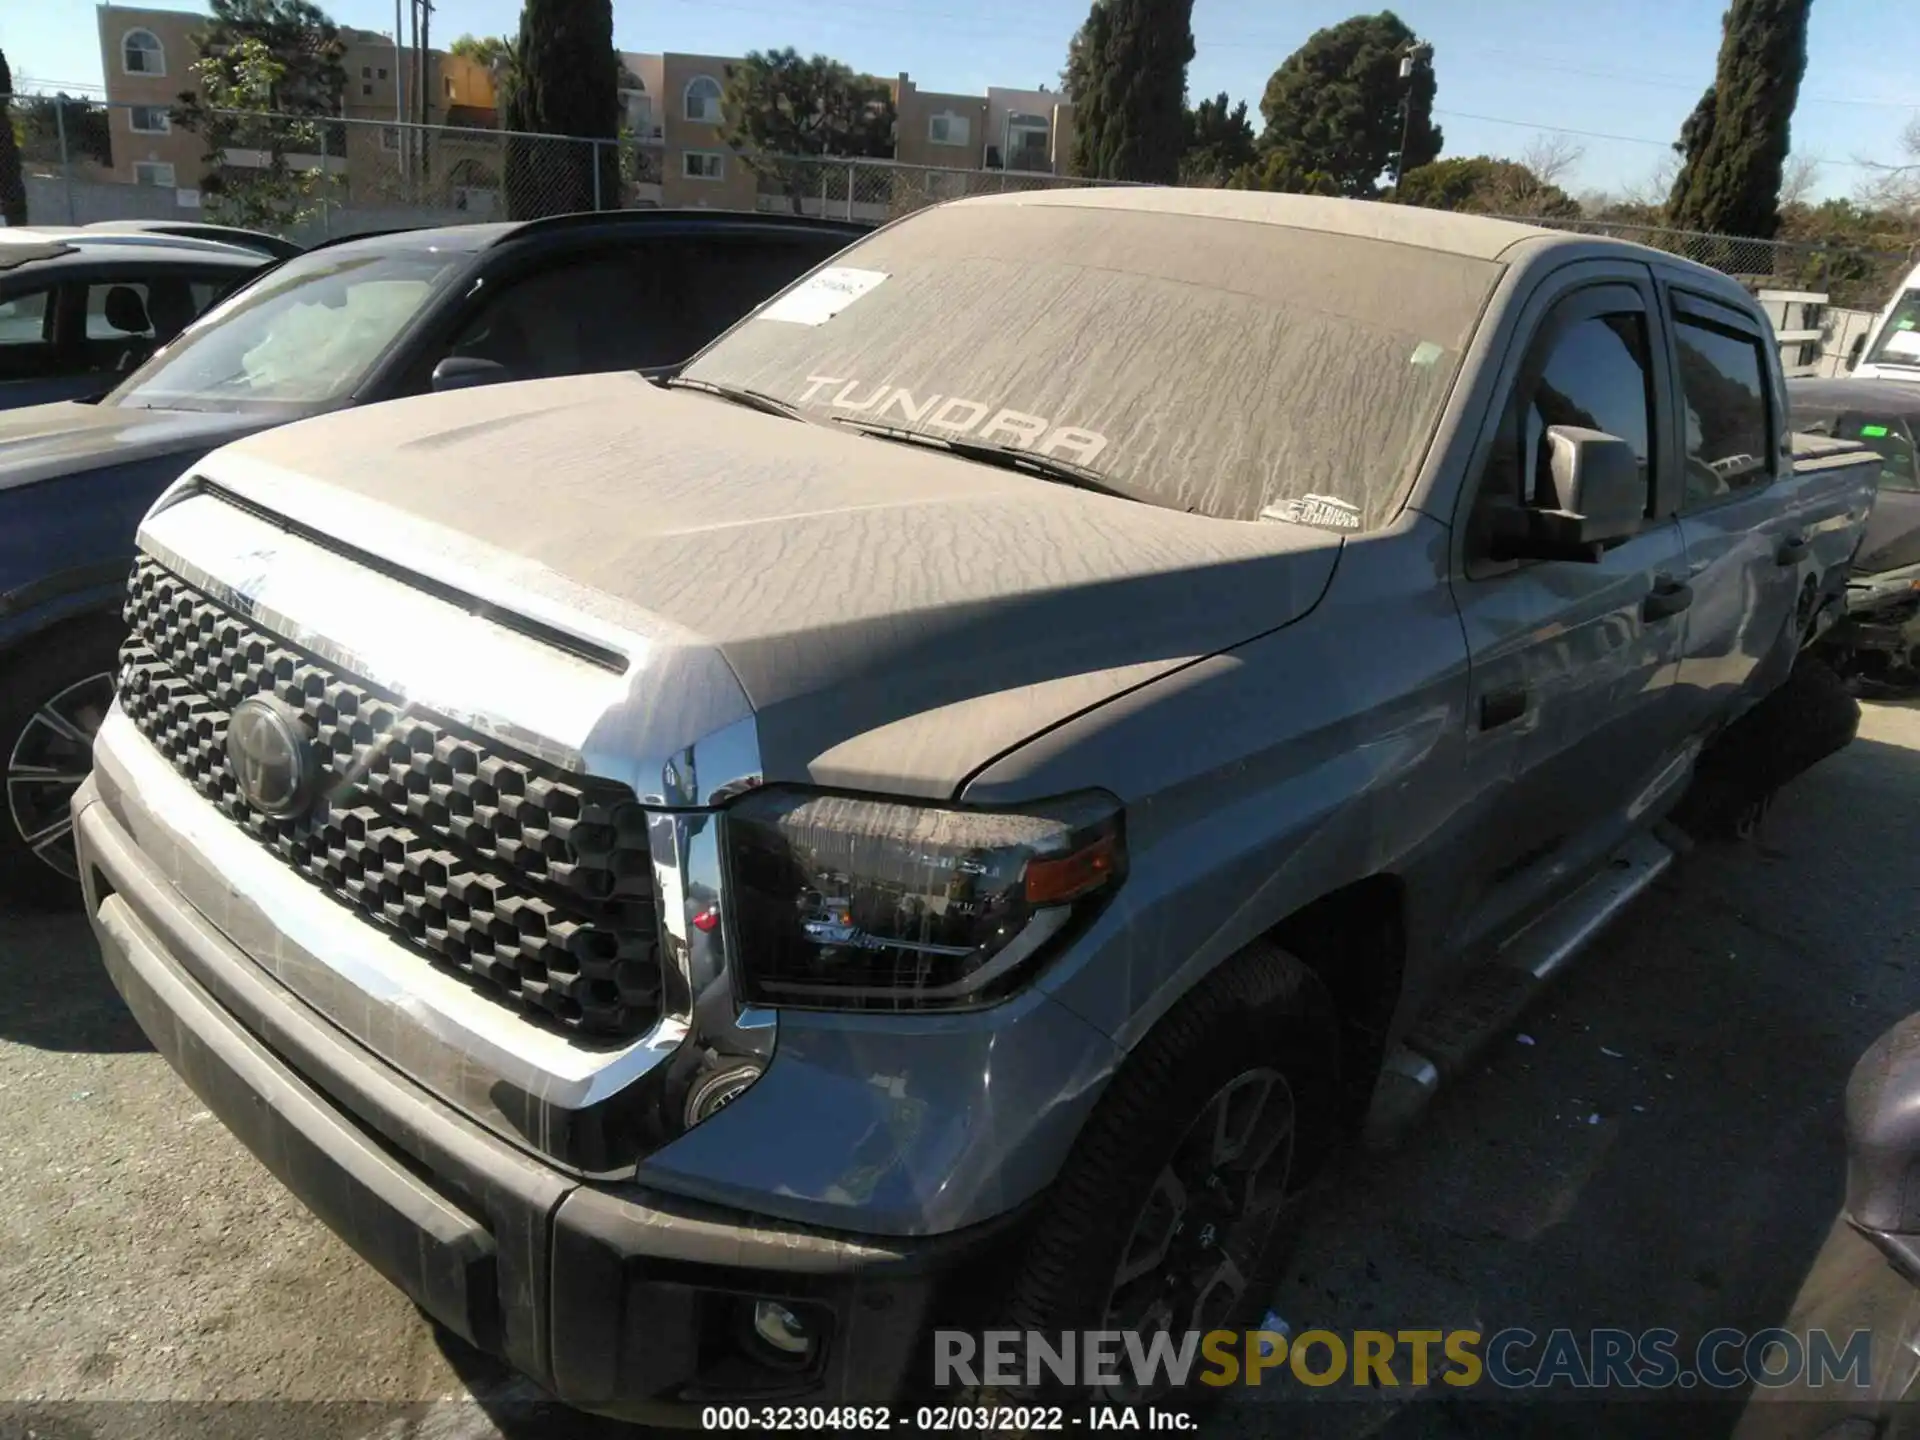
{"points": [[1791, 552], [1667, 598], [1502, 707]]}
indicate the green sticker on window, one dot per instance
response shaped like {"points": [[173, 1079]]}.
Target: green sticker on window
{"points": [[1873, 432], [1426, 352]]}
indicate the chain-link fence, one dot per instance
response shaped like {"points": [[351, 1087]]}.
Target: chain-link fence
{"points": [[311, 177], [1849, 276]]}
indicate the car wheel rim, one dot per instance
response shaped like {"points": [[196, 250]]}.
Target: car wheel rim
{"points": [[1196, 1242], [51, 755]]}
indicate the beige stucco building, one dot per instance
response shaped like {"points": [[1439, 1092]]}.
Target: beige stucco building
{"points": [[674, 149], [147, 57]]}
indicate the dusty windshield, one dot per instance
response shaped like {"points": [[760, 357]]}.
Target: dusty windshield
{"points": [[1213, 365], [1899, 340], [304, 336]]}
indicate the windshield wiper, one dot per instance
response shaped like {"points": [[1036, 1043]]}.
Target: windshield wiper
{"points": [[739, 395], [1007, 457]]}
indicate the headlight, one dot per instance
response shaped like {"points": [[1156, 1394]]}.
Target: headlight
{"points": [[846, 903]]}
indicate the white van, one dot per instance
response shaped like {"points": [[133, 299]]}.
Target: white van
{"points": [[1893, 352]]}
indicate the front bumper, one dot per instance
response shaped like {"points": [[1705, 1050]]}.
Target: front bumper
{"points": [[615, 1297]]}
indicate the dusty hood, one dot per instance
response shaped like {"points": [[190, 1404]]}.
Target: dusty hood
{"points": [[38, 442], [894, 615]]}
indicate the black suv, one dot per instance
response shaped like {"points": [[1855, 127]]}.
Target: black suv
{"points": [[349, 323]]}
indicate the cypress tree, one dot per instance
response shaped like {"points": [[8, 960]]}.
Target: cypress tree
{"points": [[13, 189], [1736, 140], [566, 82], [1128, 75]]}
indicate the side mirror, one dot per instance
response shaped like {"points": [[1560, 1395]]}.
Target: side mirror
{"points": [[1883, 1147], [1599, 499], [463, 372]]}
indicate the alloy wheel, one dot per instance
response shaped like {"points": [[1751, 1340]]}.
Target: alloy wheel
{"points": [[1197, 1240], [51, 755]]}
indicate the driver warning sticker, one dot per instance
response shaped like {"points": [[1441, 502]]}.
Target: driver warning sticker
{"points": [[816, 300]]}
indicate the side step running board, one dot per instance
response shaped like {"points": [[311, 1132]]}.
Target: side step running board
{"points": [[1486, 1001]]}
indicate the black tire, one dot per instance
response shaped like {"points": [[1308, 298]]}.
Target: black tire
{"points": [[1810, 716], [54, 693], [1263, 1010]]}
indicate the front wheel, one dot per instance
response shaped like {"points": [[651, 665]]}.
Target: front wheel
{"points": [[53, 697], [1179, 1203]]}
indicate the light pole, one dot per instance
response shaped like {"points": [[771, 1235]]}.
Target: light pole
{"points": [[1412, 61]]}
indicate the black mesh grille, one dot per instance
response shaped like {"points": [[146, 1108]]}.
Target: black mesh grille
{"points": [[536, 883]]}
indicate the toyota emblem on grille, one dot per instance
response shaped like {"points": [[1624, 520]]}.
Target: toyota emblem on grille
{"points": [[273, 763]]}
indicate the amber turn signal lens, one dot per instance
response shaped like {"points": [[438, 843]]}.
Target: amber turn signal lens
{"points": [[1050, 882]]}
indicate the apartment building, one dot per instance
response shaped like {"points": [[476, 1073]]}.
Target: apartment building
{"points": [[670, 102], [671, 106], [147, 57]]}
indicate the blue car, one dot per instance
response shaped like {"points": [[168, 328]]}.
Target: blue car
{"points": [[351, 323]]}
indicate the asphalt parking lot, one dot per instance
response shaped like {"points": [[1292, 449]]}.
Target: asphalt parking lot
{"points": [[1662, 1148]]}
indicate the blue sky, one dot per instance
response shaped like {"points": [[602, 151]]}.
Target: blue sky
{"points": [[1626, 70]]}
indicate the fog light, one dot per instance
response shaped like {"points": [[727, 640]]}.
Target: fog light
{"points": [[719, 1090], [780, 1328]]}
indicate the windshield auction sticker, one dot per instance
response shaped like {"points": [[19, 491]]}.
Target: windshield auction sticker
{"points": [[819, 298]]}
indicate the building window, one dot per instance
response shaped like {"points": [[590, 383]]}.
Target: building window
{"points": [[150, 120], [639, 107], [703, 164], [366, 72], [703, 100], [365, 89], [153, 172], [1028, 142], [141, 53], [381, 73], [449, 83], [950, 129]]}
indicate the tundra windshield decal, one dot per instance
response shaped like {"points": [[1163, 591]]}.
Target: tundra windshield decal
{"points": [[939, 414]]}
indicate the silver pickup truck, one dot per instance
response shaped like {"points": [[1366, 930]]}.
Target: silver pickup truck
{"points": [[948, 809]]}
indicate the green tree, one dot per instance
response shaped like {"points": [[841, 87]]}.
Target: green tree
{"points": [[268, 72], [782, 112], [1734, 145], [64, 127], [1485, 185], [568, 83], [1219, 142], [1129, 89], [302, 41], [1277, 170], [1335, 106], [1073, 75], [238, 109], [13, 187]]}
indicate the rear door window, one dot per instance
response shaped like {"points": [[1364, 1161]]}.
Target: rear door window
{"points": [[577, 316], [1723, 381]]}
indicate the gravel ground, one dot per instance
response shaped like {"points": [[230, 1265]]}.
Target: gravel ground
{"points": [[1666, 1151]]}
